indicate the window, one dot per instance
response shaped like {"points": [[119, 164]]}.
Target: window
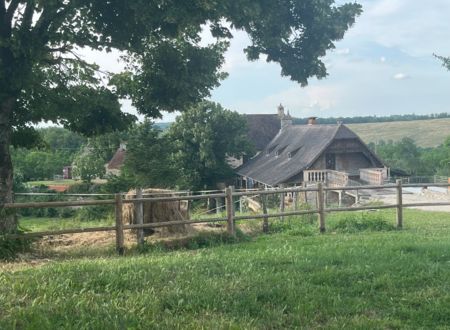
{"points": [[269, 151], [294, 152], [280, 151]]}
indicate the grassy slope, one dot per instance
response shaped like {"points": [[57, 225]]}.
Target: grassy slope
{"points": [[426, 133], [362, 280]]}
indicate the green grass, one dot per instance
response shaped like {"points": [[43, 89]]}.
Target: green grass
{"points": [[34, 224], [426, 133], [356, 276]]}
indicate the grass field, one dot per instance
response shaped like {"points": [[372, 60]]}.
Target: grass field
{"points": [[361, 274], [35, 224], [426, 133]]}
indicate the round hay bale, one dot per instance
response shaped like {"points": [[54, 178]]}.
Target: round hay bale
{"points": [[155, 212]]}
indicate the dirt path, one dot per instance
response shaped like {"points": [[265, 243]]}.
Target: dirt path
{"points": [[418, 196]]}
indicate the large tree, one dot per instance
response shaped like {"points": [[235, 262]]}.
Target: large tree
{"points": [[202, 138], [42, 76], [148, 162]]}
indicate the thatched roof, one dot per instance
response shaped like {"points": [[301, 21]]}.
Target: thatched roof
{"points": [[293, 150], [117, 160], [262, 129]]}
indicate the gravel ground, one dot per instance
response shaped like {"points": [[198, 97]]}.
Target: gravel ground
{"points": [[416, 196]]}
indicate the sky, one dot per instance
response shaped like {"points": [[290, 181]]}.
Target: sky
{"points": [[383, 66]]}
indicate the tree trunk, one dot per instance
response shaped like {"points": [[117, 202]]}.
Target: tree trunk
{"points": [[8, 221]]}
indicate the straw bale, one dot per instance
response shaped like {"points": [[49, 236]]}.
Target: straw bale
{"points": [[158, 211]]}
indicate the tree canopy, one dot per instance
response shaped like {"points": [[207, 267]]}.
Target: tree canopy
{"points": [[43, 77], [203, 137]]}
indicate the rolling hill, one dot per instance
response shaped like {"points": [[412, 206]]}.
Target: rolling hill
{"points": [[426, 133]]}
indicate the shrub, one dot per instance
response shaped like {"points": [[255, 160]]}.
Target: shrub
{"points": [[363, 221], [90, 213], [10, 247], [201, 240], [67, 212], [294, 226]]}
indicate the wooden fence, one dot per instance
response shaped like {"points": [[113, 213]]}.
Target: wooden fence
{"points": [[229, 195]]}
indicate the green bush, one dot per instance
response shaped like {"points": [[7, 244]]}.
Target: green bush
{"points": [[10, 247], [364, 221], [199, 241], [294, 226], [67, 212], [90, 213]]}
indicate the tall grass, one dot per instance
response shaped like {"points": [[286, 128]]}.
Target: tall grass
{"points": [[355, 279]]}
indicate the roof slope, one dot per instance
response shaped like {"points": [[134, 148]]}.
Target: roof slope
{"points": [[262, 129], [305, 143], [117, 160]]}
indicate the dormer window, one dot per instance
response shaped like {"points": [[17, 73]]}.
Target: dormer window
{"points": [[269, 151], [293, 152], [280, 151]]}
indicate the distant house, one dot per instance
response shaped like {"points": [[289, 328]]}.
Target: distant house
{"points": [[261, 129], [115, 164], [311, 153], [67, 172]]}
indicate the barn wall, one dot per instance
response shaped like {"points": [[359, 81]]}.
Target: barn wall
{"points": [[350, 154], [351, 161]]}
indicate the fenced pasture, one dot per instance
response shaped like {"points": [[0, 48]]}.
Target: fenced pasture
{"points": [[232, 206], [294, 278]]}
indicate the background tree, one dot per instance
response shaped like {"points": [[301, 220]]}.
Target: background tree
{"points": [[87, 165], [56, 149], [202, 138], [43, 78], [147, 162]]}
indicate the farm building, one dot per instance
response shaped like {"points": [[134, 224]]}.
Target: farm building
{"points": [[309, 154], [115, 164]]}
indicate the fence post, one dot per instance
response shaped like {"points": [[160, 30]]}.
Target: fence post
{"points": [[295, 200], [282, 202], [266, 219], [189, 204], [305, 185], [218, 206], [399, 205], [119, 225], [140, 217], [320, 206], [233, 201], [230, 211]]}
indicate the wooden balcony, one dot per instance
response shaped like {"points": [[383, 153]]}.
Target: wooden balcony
{"points": [[331, 178], [374, 176]]}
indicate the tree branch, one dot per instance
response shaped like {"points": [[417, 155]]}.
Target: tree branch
{"points": [[49, 17], [11, 10], [28, 16], [2, 12]]}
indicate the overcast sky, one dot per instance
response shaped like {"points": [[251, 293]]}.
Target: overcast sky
{"points": [[384, 66]]}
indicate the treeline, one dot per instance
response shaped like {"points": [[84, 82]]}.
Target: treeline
{"points": [[191, 154], [372, 119], [56, 149], [405, 156]]}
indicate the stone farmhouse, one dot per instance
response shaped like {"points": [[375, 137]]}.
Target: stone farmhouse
{"points": [[303, 154]]}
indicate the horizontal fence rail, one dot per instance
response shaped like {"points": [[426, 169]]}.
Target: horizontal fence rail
{"points": [[229, 195]]}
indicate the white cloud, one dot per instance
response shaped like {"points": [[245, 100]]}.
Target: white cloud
{"points": [[401, 76], [417, 27], [383, 59]]}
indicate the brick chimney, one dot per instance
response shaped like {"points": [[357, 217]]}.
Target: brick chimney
{"points": [[312, 120], [280, 111]]}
